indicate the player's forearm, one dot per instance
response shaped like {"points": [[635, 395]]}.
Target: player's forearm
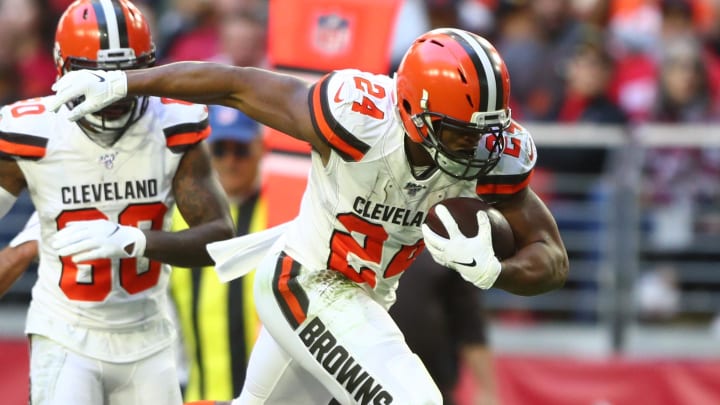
{"points": [[13, 262], [187, 248], [192, 81], [535, 269], [273, 99], [540, 263], [202, 82]]}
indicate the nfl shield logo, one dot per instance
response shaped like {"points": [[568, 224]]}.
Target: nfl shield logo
{"points": [[332, 34]]}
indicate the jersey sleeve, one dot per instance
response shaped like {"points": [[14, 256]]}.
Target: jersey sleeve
{"points": [[350, 110], [184, 124], [514, 171], [24, 129]]}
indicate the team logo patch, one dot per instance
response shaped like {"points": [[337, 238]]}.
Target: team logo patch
{"points": [[108, 159], [331, 34]]}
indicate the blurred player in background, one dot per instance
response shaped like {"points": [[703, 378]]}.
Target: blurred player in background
{"points": [[384, 151], [103, 187], [442, 318]]}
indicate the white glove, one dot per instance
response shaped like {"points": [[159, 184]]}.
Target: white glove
{"points": [[31, 231], [99, 87], [474, 258], [98, 239]]}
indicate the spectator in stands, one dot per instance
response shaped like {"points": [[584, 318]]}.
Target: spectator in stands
{"points": [[587, 77], [683, 87], [187, 31], [588, 72], [242, 33], [218, 320], [536, 38], [633, 34], [434, 298], [28, 29]]}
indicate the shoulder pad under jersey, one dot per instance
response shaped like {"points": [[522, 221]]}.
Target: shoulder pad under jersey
{"points": [[351, 110], [513, 172], [25, 127], [183, 123]]}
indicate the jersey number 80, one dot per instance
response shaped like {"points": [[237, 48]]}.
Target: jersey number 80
{"points": [[99, 284]]}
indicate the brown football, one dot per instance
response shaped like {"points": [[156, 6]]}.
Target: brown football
{"points": [[463, 209]]}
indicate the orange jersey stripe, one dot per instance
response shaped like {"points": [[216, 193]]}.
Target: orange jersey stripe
{"points": [[21, 150], [332, 132], [187, 138], [292, 305], [490, 188], [284, 288]]}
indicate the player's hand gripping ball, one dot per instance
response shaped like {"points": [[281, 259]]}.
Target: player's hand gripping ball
{"points": [[469, 237], [463, 210]]}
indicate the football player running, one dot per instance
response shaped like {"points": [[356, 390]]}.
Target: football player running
{"points": [[103, 188], [384, 150]]}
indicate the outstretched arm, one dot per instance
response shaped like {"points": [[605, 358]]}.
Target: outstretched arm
{"points": [[279, 101], [541, 262]]}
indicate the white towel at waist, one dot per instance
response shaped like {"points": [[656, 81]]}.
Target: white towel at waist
{"points": [[238, 256]]}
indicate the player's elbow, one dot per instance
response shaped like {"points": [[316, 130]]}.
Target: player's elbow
{"points": [[543, 274], [225, 230], [555, 272], [560, 271]]}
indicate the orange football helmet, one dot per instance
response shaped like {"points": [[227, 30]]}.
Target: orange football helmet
{"points": [[107, 35], [454, 79]]}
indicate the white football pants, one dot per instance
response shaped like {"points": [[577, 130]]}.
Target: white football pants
{"points": [[325, 338], [61, 377]]}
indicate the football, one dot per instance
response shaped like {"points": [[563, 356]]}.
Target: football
{"points": [[463, 209]]}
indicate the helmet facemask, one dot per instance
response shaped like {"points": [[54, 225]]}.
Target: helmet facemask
{"points": [[463, 164]]}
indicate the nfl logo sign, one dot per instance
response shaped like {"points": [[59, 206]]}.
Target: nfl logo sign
{"points": [[331, 34]]}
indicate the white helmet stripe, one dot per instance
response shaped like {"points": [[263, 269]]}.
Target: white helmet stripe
{"points": [[487, 68], [112, 24]]}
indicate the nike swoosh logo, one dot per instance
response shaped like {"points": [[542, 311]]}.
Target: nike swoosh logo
{"points": [[102, 79], [470, 264], [337, 98]]}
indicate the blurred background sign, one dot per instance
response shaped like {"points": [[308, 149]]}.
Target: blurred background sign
{"points": [[323, 35]]}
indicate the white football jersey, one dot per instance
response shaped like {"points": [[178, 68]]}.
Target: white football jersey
{"points": [[114, 310], [361, 213]]}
